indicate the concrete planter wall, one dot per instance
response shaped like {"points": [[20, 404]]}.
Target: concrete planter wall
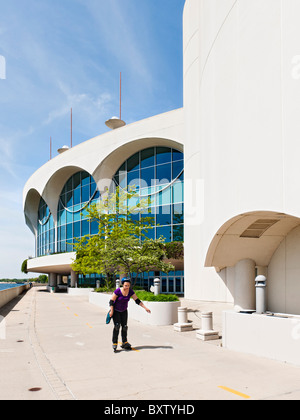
{"points": [[9, 294], [276, 337], [79, 292], [162, 313]]}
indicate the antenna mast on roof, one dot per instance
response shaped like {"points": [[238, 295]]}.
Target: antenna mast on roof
{"points": [[120, 96], [71, 128], [50, 148], [115, 122]]}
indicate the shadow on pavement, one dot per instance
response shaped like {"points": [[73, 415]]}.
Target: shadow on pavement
{"points": [[152, 347]]}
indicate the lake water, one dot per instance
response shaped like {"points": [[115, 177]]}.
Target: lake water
{"points": [[4, 286]]}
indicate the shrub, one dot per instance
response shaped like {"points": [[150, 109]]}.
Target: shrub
{"points": [[24, 267], [144, 296], [150, 297], [104, 289]]}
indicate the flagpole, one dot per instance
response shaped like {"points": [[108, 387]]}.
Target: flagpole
{"points": [[120, 95], [71, 128]]}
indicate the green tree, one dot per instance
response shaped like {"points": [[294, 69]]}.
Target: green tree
{"points": [[121, 246], [43, 278], [24, 267]]}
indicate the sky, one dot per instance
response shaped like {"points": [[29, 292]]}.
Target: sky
{"points": [[61, 54]]}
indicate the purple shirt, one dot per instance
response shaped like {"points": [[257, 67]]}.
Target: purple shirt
{"points": [[121, 304]]}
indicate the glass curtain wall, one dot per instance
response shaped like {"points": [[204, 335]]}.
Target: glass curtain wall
{"points": [[158, 173], [46, 231], [79, 192]]}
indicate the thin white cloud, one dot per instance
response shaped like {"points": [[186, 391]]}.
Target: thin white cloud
{"points": [[89, 107], [8, 148], [5, 148], [118, 34]]}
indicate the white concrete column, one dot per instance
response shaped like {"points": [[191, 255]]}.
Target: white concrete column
{"points": [[207, 332], [182, 315], [74, 279], [261, 300], [157, 287], [183, 322], [207, 321], [244, 290], [53, 280]]}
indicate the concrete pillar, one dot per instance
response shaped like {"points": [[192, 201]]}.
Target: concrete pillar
{"points": [[244, 290], [74, 279], [207, 321], [183, 323], [261, 301], [53, 282], [182, 316], [156, 287], [207, 332]]}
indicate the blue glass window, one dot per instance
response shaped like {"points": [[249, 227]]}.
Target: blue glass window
{"points": [[164, 231], [86, 195], [164, 174], [79, 192], [69, 232], [133, 178], [164, 216], [164, 165], [147, 177], [163, 155], [85, 227], [147, 158], [133, 163], [176, 155], [177, 168], [45, 241]]}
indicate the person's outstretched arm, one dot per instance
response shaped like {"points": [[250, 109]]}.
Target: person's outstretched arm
{"points": [[140, 303]]}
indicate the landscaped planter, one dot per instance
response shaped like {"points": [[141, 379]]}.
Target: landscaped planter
{"points": [[162, 313]]}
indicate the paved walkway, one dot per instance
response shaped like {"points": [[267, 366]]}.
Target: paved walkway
{"points": [[58, 347]]}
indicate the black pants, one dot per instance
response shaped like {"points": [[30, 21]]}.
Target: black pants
{"points": [[120, 320]]}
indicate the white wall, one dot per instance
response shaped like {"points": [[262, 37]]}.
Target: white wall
{"points": [[8, 295], [284, 276], [264, 336], [241, 102]]}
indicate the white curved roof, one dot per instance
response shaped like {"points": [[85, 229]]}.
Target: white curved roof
{"points": [[101, 157]]}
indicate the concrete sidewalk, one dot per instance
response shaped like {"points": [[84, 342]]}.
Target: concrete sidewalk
{"points": [[59, 347]]}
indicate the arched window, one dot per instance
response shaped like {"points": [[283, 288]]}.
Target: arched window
{"points": [[46, 230], [158, 173], [79, 192]]}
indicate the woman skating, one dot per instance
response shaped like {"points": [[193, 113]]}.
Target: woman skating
{"points": [[119, 313]]}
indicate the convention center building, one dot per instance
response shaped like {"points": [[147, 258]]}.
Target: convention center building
{"points": [[226, 164]]}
